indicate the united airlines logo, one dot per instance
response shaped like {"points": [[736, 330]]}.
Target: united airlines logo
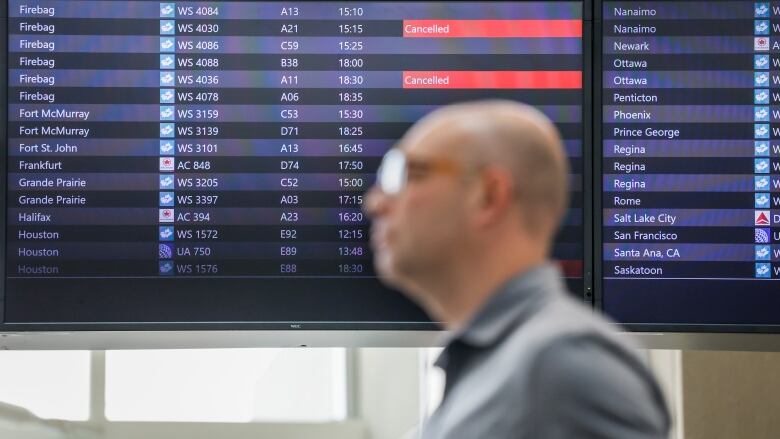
{"points": [[762, 236]]}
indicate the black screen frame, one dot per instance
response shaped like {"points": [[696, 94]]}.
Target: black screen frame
{"points": [[592, 213], [3, 151], [598, 44], [334, 326]]}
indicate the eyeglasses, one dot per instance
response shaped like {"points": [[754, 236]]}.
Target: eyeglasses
{"points": [[396, 168]]}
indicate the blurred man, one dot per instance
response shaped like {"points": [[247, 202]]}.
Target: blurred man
{"points": [[464, 213]]}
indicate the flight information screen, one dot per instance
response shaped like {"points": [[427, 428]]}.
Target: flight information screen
{"points": [[690, 162], [206, 161]]}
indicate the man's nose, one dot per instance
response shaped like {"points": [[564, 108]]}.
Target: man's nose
{"points": [[375, 202]]}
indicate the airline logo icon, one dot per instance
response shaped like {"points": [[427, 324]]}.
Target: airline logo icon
{"points": [[761, 166], [166, 268], [761, 148], [763, 253], [167, 147], [761, 10], [166, 199], [168, 27], [167, 163], [761, 131], [761, 182], [167, 79], [167, 96], [761, 97], [762, 218], [761, 27], [167, 182], [760, 44], [166, 215], [762, 236], [762, 200], [167, 113], [166, 251], [166, 233], [167, 10], [166, 129], [761, 114], [167, 61], [168, 44], [761, 79], [761, 62], [763, 270]]}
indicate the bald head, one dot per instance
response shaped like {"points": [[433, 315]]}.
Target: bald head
{"points": [[512, 136]]}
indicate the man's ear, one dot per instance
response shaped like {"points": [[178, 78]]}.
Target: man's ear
{"points": [[495, 195]]}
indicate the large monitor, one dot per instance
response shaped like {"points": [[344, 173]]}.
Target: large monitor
{"points": [[690, 168], [191, 165]]}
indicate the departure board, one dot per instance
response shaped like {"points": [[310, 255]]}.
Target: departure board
{"points": [[206, 161], [690, 162]]}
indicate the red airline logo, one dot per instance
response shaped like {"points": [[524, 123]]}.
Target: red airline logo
{"points": [[762, 217]]}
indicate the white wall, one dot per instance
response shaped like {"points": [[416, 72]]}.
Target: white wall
{"points": [[391, 391]]}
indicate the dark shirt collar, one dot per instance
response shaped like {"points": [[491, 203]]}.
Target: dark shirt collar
{"points": [[511, 305]]}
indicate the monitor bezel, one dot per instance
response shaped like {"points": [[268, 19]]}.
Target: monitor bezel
{"points": [[177, 334], [679, 329], [204, 335]]}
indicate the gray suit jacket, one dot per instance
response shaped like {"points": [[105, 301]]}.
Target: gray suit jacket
{"points": [[535, 363]]}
